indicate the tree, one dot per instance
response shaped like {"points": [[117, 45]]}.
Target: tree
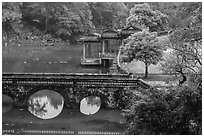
{"points": [[120, 13], [67, 20], [63, 20], [177, 109], [186, 41], [143, 46], [187, 57], [11, 16], [108, 15], [75, 22], [143, 16]]}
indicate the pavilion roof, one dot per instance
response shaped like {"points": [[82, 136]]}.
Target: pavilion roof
{"points": [[92, 38], [110, 34]]}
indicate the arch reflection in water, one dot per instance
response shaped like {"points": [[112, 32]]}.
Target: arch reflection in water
{"points": [[7, 103], [46, 104], [90, 105]]}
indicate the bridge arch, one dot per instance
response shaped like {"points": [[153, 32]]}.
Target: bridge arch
{"points": [[57, 89], [104, 99], [72, 95]]}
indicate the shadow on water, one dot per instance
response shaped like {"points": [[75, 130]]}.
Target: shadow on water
{"points": [[7, 103], [111, 125], [45, 112]]}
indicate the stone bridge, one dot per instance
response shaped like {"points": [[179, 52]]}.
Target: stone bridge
{"points": [[111, 88]]}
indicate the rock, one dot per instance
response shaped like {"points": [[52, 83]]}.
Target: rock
{"points": [[6, 124]]}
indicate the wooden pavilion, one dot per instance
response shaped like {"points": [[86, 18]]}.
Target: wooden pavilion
{"points": [[101, 49], [92, 48]]}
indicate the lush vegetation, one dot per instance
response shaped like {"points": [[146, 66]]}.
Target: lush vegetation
{"points": [[143, 16], [167, 110], [186, 40], [64, 20], [174, 109], [143, 46]]}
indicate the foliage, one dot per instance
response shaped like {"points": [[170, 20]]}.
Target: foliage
{"points": [[186, 57], [11, 16], [130, 5], [186, 40], [170, 9], [175, 110], [143, 16], [143, 46], [190, 14], [11, 11], [108, 15], [191, 26], [65, 20], [61, 19]]}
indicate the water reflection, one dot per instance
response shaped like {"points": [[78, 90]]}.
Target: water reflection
{"points": [[7, 103], [46, 104], [90, 105]]}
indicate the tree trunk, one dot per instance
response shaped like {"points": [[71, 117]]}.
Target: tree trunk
{"points": [[46, 24], [184, 78], [146, 70]]}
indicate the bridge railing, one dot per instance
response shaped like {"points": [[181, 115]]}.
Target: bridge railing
{"points": [[88, 75], [49, 79]]}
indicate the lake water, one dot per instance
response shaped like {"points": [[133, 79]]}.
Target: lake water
{"points": [[65, 60], [45, 113]]}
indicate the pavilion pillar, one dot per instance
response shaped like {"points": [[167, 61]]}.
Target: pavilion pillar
{"points": [[103, 47], [89, 51], [84, 51]]}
